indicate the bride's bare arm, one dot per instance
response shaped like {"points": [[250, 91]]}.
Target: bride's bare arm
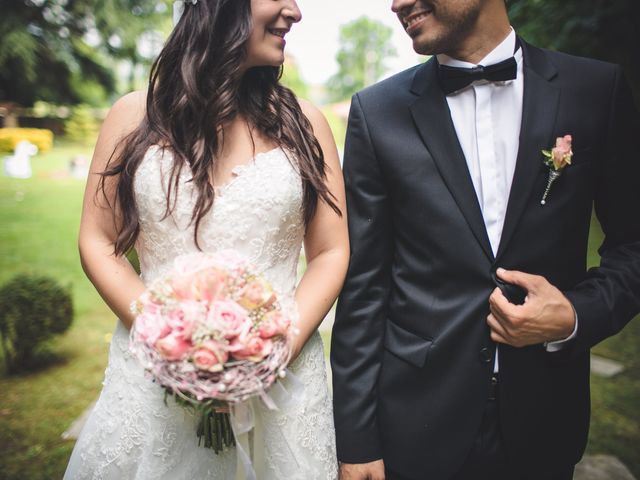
{"points": [[113, 276], [326, 240]]}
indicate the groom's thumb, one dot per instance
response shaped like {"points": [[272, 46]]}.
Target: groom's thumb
{"points": [[516, 277]]}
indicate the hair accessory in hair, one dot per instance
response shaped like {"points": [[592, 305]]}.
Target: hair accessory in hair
{"points": [[178, 9]]}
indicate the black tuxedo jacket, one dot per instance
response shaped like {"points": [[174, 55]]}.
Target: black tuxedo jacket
{"points": [[411, 350]]}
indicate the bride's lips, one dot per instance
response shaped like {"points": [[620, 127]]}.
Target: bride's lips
{"points": [[280, 33], [413, 22]]}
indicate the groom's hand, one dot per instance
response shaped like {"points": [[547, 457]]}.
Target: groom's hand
{"points": [[546, 315], [362, 471]]}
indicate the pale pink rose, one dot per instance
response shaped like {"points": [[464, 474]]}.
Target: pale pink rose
{"points": [[173, 347], [255, 294], [249, 346], [229, 259], [210, 356], [182, 286], [273, 323], [228, 317], [182, 320], [151, 326], [561, 153], [185, 265], [207, 284]]}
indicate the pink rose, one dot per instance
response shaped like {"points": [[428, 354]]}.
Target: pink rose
{"points": [[273, 323], [255, 294], [249, 346], [182, 287], [172, 347], [210, 356], [182, 320], [561, 153], [228, 317], [151, 326], [208, 284]]}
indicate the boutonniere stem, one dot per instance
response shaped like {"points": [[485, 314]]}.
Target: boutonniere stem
{"points": [[556, 159]]}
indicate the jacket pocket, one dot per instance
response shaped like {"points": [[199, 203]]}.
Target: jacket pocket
{"points": [[406, 345]]}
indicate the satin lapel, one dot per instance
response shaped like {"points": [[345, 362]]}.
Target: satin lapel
{"points": [[540, 105], [433, 121]]}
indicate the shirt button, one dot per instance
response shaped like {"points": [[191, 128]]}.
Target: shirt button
{"points": [[486, 355]]}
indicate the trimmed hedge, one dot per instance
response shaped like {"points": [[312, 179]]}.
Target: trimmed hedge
{"points": [[40, 137]]}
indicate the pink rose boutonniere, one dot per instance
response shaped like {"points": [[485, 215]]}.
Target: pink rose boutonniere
{"points": [[556, 159]]}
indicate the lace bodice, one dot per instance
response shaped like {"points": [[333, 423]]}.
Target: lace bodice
{"points": [[257, 213], [132, 432]]}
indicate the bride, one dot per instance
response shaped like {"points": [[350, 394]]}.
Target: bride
{"points": [[215, 155]]}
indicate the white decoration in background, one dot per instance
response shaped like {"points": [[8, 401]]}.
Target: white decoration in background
{"points": [[18, 165], [178, 9]]}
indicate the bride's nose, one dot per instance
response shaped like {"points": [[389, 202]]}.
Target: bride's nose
{"points": [[292, 12]]}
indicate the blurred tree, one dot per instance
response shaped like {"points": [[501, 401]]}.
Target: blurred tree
{"points": [[364, 46], [133, 30], [61, 51], [603, 29], [291, 78]]}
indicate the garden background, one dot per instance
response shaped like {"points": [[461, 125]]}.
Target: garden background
{"points": [[63, 62]]}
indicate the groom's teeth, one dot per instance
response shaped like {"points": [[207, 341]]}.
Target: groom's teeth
{"points": [[416, 19]]}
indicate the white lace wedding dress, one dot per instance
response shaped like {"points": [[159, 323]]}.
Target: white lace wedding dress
{"points": [[132, 433]]}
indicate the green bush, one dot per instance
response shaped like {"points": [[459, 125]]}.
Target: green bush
{"points": [[82, 126], [32, 310]]}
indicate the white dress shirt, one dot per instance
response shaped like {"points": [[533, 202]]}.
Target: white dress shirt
{"points": [[487, 117]]}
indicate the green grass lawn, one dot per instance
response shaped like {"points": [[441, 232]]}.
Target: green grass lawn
{"points": [[39, 221]]}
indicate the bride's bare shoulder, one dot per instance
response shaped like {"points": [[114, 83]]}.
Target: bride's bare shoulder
{"points": [[123, 118], [127, 112]]}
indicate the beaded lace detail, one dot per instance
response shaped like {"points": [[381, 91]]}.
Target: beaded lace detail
{"points": [[132, 433]]}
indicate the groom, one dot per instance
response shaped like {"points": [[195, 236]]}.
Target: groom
{"points": [[437, 375]]}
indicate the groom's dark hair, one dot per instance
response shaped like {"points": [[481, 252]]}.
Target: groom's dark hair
{"points": [[196, 86]]}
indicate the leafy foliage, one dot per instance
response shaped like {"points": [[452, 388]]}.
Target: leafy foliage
{"points": [[291, 78], [32, 310], [61, 51], [82, 125], [365, 44], [591, 28]]}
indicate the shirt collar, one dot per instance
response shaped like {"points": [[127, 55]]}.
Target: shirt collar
{"points": [[503, 51]]}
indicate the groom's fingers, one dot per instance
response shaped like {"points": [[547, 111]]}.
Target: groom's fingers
{"points": [[498, 332], [501, 307], [531, 283], [362, 471]]}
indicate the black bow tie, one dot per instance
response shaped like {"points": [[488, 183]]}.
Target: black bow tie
{"points": [[453, 79]]}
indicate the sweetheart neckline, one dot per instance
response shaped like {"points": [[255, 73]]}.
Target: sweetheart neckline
{"points": [[238, 170]]}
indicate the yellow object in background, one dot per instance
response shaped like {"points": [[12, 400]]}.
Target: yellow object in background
{"points": [[40, 137]]}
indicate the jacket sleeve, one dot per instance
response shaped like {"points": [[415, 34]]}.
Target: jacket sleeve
{"points": [[609, 297], [358, 332]]}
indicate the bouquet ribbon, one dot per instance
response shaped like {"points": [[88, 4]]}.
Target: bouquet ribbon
{"points": [[283, 395]]}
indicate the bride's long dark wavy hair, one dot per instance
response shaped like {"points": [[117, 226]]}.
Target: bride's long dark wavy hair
{"points": [[196, 86]]}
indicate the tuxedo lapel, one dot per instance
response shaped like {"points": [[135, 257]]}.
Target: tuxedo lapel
{"points": [[433, 120], [539, 109]]}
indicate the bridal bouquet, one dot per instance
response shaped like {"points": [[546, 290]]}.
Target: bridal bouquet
{"points": [[212, 333]]}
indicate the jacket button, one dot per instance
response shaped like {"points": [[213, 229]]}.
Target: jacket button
{"points": [[486, 355]]}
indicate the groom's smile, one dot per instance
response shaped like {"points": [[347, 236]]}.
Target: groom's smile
{"points": [[413, 20]]}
